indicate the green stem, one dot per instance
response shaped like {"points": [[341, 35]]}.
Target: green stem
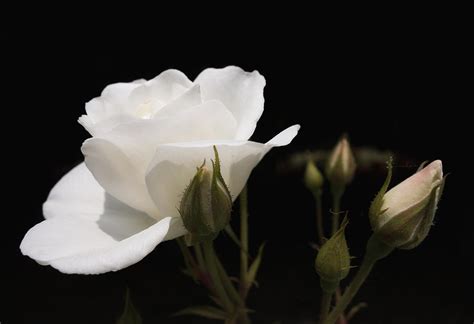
{"points": [[199, 256], [228, 286], [319, 216], [325, 306], [376, 250], [188, 258], [337, 193], [336, 208], [212, 268], [244, 241]]}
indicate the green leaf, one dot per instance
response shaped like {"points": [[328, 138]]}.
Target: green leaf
{"points": [[130, 314], [376, 205], [253, 269], [203, 311]]}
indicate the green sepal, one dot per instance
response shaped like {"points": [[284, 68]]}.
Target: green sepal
{"points": [[253, 269], [333, 260], [376, 205]]}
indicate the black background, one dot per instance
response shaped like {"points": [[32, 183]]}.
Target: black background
{"points": [[404, 90]]}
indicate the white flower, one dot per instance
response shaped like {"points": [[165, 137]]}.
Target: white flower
{"points": [[407, 210], [148, 137]]}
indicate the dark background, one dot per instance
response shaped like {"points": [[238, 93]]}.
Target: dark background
{"points": [[408, 91]]}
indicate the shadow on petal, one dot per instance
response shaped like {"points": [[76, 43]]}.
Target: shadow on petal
{"points": [[121, 221]]}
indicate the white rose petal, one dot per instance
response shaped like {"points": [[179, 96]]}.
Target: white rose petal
{"points": [[240, 91], [174, 166], [87, 231]]}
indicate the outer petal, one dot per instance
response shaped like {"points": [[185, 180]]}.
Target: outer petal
{"points": [[412, 191], [240, 91], [174, 165], [88, 231], [77, 190], [74, 245]]}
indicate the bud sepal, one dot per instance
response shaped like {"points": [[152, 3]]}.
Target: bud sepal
{"points": [[333, 260]]}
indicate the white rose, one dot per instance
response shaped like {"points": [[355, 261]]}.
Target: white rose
{"points": [[148, 137]]}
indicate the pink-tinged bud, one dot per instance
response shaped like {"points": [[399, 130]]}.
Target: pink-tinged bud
{"points": [[402, 217], [340, 166]]}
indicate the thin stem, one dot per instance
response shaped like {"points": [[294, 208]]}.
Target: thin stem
{"points": [[353, 288], [336, 208], [188, 258], [376, 250], [199, 256], [212, 268], [244, 241], [319, 216], [229, 287], [325, 306]]}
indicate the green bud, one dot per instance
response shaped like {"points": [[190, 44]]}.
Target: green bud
{"points": [[340, 166], [333, 260], [206, 204], [313, 179]]}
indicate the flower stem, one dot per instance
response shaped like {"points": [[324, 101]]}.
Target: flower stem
{"points": [[325, 306], [376, 250], [188, 258], [229, 287], [212, 267], [336, 208], [199, 256], [319, 216], [244, 241]]}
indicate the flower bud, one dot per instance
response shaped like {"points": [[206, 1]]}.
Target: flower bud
{"points": [[333, 260], [340, 166], [313, 179], [402, 217], [206, 204]]}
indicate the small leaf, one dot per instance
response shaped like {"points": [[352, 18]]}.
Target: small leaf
{"points": [[252, 273], [354, 310], [203, 311], [130, 314], [229, 231]]}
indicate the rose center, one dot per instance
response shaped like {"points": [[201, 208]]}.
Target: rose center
{"points": [[145, 110]]}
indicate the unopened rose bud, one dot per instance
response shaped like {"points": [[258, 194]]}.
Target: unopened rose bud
{"points": [[333, 260], [402, 217], [313, 179], [340, 166], [206, 204]]}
